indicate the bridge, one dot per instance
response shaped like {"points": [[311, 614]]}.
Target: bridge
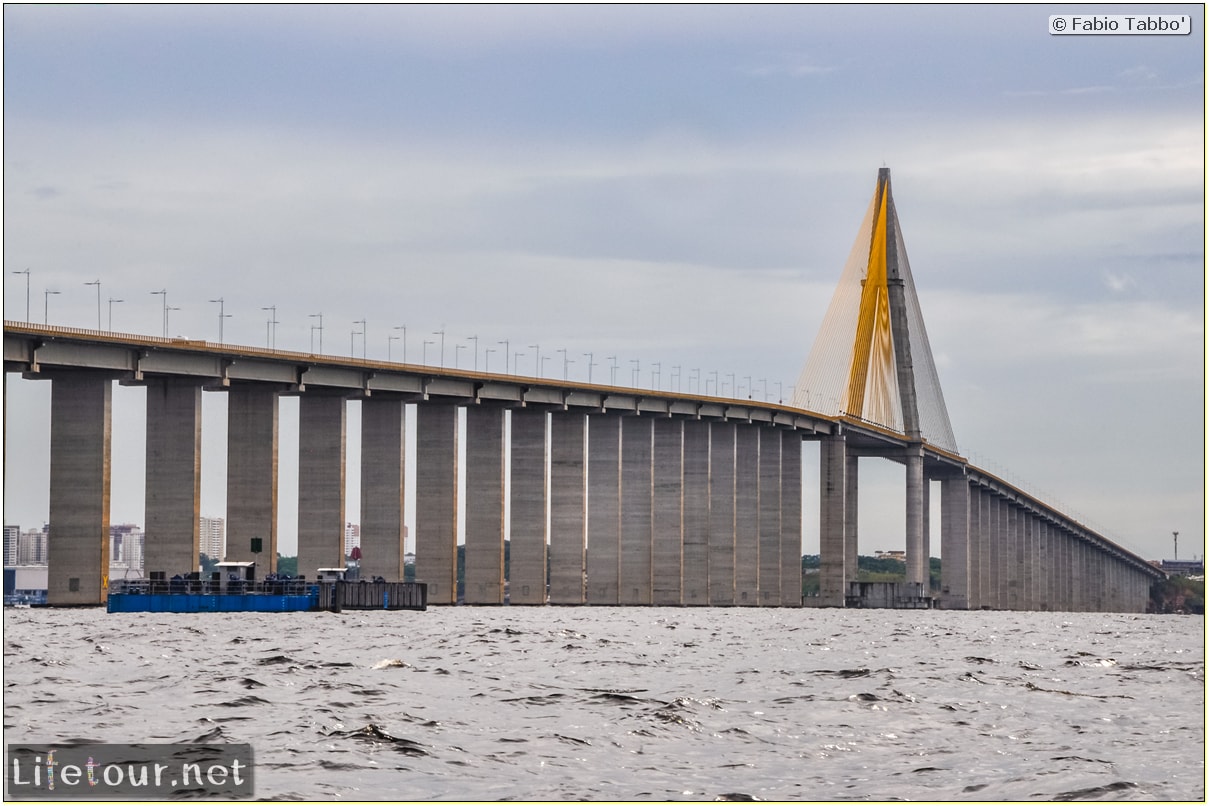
{"points": [[613, 495]]}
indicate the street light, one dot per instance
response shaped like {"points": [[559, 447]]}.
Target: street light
{"points": [[389, 339], [487, 359], [457, 347], [612, 370], [637, 366], [26, 273], [590, 365], [97, 283], [222, 314], [441, 333], [475, 339], [271, 325], [164, 295], [656, 374], [46, 307], [404, 329], [424, 352], [111, 301], [364, 330], [563, 350], [506, 351], [318, 316]]}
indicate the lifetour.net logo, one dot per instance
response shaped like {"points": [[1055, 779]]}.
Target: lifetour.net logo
{"points": [[128, 771]]}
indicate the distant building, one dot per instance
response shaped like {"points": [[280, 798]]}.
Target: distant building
{"points": [[1183, 568], [352, 537], [12, 544], [32, 548], [126, 544], [213, 537]]}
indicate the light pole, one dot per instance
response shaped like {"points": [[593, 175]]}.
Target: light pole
{"points": [[487, 359], [590, 365], [164, 295], [475, 339], [222, 314], [715, 374], [656, 374], [690, 380], [537, 360], [457, 347], [612, 370], [364, 330], [734, 392], [676, 375], [97, 283], [46, 307], [111, 301], [26, 273], [441, 333], [424, 352], [318, 316], [389, 339], [404, 329], [563, 350], [507, 347], [271, 326], [167, 311], [516, 357], [637, 366]]}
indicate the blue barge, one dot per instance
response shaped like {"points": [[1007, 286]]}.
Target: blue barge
{"points": [[235, 589]]}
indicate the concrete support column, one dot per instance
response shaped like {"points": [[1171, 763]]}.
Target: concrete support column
{"points": [[833, 482], [722, 514], [696, 507], [747, 515], [252, 472], [769, 581], [1065, 570], [667, 515], [1013, 564], [437, 500], [80, 437], [917, 561], [568, 506], [484, 571], [383, 438], [321, 447], [634, 586], [527, 519], [1036, 564], [791, 519], [604, 508], [851, 520], [173, 488], [955, 543], [995, 594], [974, 589]]}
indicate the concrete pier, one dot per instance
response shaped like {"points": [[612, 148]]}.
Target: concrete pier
{"points": [[696, 513], [383, 439], [917, 558], [437, 500], [955, 543], [636, 566], [252, 473], [568, 507], [604, 508], [791, 519], [722, 514], [484, 572], [851, 517], [321, 503], [80, 437], [769, 581], [747, 515], [833, 483], [173, 476], [527, 516], [667, 526]]}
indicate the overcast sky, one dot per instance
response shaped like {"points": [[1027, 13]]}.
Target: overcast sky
{"points": [[671, 185]]}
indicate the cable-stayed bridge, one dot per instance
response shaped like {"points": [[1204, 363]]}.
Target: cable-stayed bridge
{"points": [[609, 495]]}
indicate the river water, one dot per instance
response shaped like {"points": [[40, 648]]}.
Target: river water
{"points": [[636, 703]]}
